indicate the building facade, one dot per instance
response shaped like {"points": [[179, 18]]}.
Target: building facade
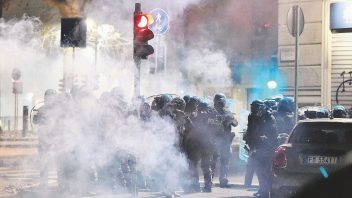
{"points": [[324, 54]]}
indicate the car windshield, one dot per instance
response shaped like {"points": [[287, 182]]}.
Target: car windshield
{"points": [[322, 133]]}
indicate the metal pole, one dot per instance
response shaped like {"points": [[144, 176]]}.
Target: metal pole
{"points": [[25, 121], [137, 60], [14, 120], [137, 78], [165, 59], [96, 54], [296, 18], [156, 54], [0, 98], [16, 113]]}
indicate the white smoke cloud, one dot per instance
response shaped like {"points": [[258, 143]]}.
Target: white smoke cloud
{"points": [[208, 67], [21, 41], [96, 131], [82, 132]]}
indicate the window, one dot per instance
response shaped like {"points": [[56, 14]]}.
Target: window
{"points": [[322, 133]]}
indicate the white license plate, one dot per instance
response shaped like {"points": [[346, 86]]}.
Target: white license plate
{"points": [[321, 160]]}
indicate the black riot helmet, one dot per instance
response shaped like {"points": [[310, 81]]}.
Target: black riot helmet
{"points": [[178, 103], [219, 101], [257, 107], [339, 111], [203, 106], [186, 98], [160, 101], [49, 96], [271, 104], [286, 105], [192, 105]]}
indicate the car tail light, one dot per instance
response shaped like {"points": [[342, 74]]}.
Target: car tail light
{"points": [[280, 158]]}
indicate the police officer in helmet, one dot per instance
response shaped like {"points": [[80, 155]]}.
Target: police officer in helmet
{"points": [[200, 146], [223, 138], [46, 132], [262, 140]]}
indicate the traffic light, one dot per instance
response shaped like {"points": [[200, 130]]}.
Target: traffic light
{"points": [[142, 34]]}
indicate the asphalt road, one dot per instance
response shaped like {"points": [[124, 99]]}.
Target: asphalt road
{"points": [[19, 177], [23, 182]]}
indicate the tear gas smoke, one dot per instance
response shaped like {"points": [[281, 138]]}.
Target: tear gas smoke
{"points": [[22, 38], [88, 132]]}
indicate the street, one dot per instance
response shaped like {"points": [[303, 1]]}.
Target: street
{"points": [[101, 98], [19, 176], [16, 183]]}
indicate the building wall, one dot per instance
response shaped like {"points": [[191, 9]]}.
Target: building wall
{"points": [[337, 57], [310, 51]]}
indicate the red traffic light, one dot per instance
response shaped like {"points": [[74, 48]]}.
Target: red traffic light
{"points": [[142, 21], [142, 34]]}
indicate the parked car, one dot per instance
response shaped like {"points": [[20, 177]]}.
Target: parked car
{"points": [[313, 150]]}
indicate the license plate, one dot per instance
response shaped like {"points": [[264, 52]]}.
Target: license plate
{"points": [[327, 160]]}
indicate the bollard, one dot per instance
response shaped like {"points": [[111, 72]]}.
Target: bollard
{"points": [[25, 121], [9, 125]]}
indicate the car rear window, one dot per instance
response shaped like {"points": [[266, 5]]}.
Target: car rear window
{"points": [[322, 133]]}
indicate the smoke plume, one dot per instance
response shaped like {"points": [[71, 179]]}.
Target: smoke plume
{"points": [[93, 128]]}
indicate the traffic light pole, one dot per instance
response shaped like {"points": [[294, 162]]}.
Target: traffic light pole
{"points": [[137, 78], [141, 48]]}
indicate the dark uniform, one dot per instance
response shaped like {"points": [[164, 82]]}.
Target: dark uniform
{"points": [[262, 140], [175, 111], [285, 116], [160, 101], [223, 138], [200, 145], [46, 133]]}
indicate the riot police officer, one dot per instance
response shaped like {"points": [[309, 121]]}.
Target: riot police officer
{"points": [[186, 98], [191, 105], [200, 145], [285, 115], [160, 101], [46, 133], [262, 140], [175, 111], [223, 138]]}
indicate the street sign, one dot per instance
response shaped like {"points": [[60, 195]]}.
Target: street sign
{"points": [[160, 24], [295, 24], [292, 19], [16, 74]]}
